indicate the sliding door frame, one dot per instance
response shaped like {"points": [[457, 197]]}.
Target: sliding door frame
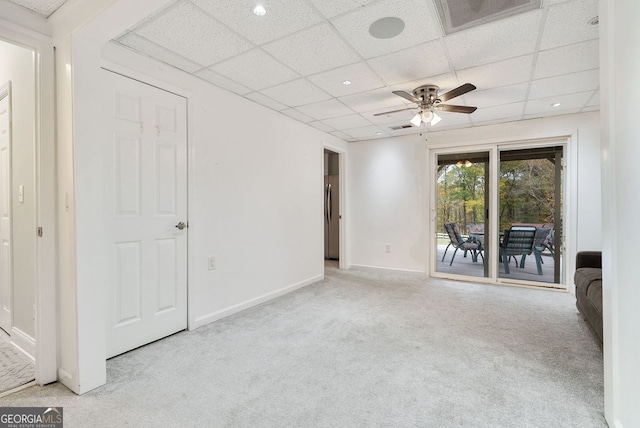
{"points": [[569, 206]]}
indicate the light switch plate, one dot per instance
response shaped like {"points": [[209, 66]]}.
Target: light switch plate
{"points": [[212, 263]]}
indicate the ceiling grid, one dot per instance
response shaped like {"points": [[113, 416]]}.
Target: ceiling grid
{"points": [[295, 58]]}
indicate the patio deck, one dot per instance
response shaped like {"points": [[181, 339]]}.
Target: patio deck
{"points": [[464, 266]]}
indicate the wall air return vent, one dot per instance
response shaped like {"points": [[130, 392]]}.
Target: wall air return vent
{"points": [[457, 15], [395, 128]]}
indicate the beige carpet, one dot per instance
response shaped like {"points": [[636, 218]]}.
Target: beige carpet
{"points": [[363, 348]]}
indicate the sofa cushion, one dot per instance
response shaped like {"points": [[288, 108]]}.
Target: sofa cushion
{"points": [[589, 283]]}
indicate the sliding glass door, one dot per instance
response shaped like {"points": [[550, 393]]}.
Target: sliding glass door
{"points": [[498, 214], [530, 206], [462, 200]]}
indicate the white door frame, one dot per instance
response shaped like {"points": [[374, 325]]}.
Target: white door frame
{"points": [[343, 263], [46, 274], [570, 203], [5, 92]]}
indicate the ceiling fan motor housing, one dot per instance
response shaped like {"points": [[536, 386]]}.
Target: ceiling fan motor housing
{"points": [[428, 94]]}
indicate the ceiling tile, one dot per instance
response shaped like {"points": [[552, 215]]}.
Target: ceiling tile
{"points": [[374, 100], [296, 93], [222, 82], [295, 114], [401, 116], [503, 73], [43, 7], [497, 96], [188, 31], [364, 132], [415, 63], [567, 59], [332, 8], [347, 122], [266, 101], [595, 99], [325, 109], [418, 17], [283, 17], [568, 23], [567, 102], [341, 135], [255, 69], [312, 51], [148, 48], [498, 112], [153, 15], [446, 82], [551, 113], [321, 126], [496, 41], [452, 119], [359, 74], [567, 84]]}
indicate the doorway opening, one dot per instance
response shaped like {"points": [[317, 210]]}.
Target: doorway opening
{"points": [[18, 216], [332, 208]]}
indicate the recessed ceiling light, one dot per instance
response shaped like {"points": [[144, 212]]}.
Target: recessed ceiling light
{"points": [[378, 133], [346, 82], [555, 105], [386, 28], [594, 20], [260, 10]]}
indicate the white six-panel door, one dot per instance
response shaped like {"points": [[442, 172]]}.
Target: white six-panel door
{"points": [[146, 195], [6, 264]]}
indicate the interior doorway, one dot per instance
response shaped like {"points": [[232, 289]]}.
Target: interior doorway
{"points": [[147, 204], [332, 216], [18, 215]]}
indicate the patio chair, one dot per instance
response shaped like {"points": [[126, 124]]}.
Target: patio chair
{"points": [[541, 241], [519, 241], [456, 240]]}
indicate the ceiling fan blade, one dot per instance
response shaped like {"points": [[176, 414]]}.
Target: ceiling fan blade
{"points": [[460, 90], [407, 96], [457, 109], [395, 111]]}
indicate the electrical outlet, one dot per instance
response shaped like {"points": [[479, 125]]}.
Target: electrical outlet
{"points": [[387, 248], [212, 263]]}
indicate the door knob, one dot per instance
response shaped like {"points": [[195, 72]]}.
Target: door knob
{"points": [[181, 225]]}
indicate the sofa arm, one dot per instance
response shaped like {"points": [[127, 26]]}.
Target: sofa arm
{"points": [[592, 259]]}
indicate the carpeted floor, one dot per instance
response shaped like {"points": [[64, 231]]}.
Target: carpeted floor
{"points": [[361, 348], [15, 368]]}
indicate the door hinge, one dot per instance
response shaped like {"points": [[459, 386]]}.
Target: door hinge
{"points": [[39, 231]]}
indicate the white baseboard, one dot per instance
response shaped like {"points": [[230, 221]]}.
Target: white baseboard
{"points": [[23, 342], [214, 316], [386, 268], [67, 379]]}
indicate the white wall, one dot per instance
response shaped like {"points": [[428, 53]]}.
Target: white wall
{"points": [[256, 194], [17, 65], [390, 185], [620, 89], [255, 199]]}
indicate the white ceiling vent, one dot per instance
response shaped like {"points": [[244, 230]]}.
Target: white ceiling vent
{"points": [[395, 128], [457, 15]]}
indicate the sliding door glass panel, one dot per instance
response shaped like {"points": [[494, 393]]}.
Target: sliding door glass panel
{"points": [[530, 214], [462, 200]]}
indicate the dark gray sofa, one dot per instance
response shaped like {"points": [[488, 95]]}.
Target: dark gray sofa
{"points": [[588, 281]]}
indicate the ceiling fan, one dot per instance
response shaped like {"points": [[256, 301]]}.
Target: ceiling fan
{"points": [[428, 100]]}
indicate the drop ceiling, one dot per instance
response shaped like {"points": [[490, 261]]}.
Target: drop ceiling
{"points": [[43, 7], [295, 59]]}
